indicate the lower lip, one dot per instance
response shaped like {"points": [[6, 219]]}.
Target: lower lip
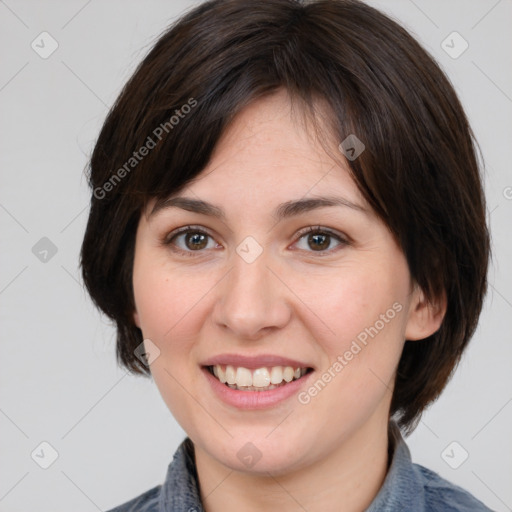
{"points": [[255, 399]]}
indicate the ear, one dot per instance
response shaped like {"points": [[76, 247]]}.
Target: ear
{"points": [[425, 317], [136, 319]]}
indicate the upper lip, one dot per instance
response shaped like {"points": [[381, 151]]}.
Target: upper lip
{"points": [[254, 362]]}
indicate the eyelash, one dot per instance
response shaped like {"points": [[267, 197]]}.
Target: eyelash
{"points": [[168, 239]]}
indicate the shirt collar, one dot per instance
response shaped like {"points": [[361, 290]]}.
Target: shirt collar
{"points": [[181, 487], [402, 488]]}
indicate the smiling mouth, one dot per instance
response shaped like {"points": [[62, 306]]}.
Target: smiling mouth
{"points": [[260, 379]]}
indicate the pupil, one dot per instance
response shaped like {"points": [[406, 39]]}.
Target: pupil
{"points": [[197, 239], [318, 238]]}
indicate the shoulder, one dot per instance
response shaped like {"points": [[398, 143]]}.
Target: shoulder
{"points": [[442, 495], [146, 502]]}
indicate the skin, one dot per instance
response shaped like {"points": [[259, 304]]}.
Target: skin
{"points": [[299, 299]]}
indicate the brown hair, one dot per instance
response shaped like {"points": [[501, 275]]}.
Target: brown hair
{"points": [[419, 170]]}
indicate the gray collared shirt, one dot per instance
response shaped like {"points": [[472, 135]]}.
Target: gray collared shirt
{"points": [[408, 487]]}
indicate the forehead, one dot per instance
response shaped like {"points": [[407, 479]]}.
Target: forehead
{"points": [[268, 154]]}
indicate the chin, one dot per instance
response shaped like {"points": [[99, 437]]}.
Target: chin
{"points": [[256, 453]]}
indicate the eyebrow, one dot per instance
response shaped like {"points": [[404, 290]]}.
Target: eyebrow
{"points": [[283, 211]]}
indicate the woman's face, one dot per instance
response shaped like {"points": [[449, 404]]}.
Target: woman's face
{"points": [[256, 294]]}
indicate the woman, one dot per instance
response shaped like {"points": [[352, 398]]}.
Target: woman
{"points": [[288, 227]]}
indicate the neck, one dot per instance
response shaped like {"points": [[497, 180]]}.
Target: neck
{"points": [[347, 480]]}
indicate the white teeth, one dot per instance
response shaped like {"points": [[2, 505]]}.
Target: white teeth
{"points": [[230, 375], [288, 373], [276, 375], [243, 377], [221, 374], [260, 379]]}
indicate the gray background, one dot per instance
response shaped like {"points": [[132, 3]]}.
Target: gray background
{"points": [[59, 383]]}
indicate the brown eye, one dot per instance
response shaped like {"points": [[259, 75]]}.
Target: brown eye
{"points": [[317, 239], [189, 240], [195, 241]]}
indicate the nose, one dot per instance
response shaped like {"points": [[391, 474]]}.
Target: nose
{"points": [[251, 301]]}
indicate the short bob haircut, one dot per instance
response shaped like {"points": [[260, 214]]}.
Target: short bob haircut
{"points": [[419, 171]]}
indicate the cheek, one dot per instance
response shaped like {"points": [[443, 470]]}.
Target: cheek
{"points": [[359, 360], [170, 309], [349, 302], [166, 299], [359, 321]]}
